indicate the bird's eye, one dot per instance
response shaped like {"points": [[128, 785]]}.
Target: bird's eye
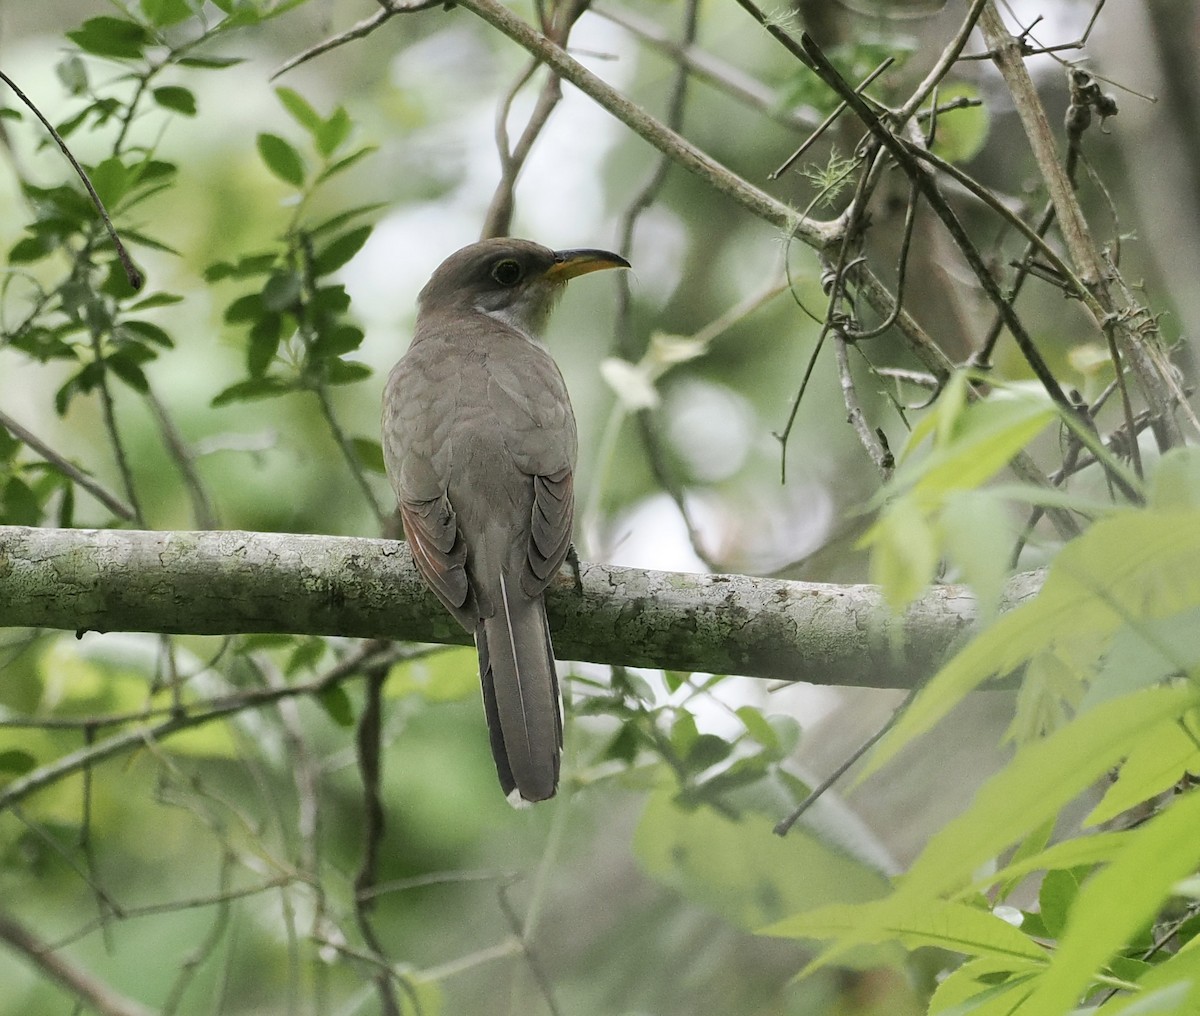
{"points": [[507, 272]]}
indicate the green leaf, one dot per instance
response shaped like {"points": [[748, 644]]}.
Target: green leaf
{"points": [[336, 703], [337, 341], [960, 133], [1137, 563], [112, 37], [111, 180], [166, 12], [156, 300], [15, 762], [706, 751], [342, 218], [282, 291], [1117, 901], [31, 248], [210, 62], [340, 250], [255, 388], [343, 164], [973, 987], [265, 335], [116, 282], [72, 72], [331, 300], [976, 534], [82, 382], [1176, 481], [1040, 780], [369, 454], [624, 746], [147, 331], [301, 110], [684, 733], [956, 927], [19, 505], [1074, 853], [1154, 766], [973, 445], [904, 554], [132, 236], [306, 653], [281, 159], [127, 362], [757, 727], [176, 98], [1055, 896], [738, 869], [1049, 694], [246, 267], [245, 309], [1172, 988], [346, 372], [332, 132]]}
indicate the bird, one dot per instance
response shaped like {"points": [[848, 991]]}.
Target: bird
{"points": [[479, 444]]}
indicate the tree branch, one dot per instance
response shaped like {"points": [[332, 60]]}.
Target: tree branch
{"points": [[96, 995], [813, 232], [220, 583]]}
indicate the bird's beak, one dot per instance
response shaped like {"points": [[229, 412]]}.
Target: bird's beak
{"points": [[570, 263]]}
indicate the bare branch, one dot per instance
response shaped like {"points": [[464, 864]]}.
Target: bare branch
{"points": [[91, 992], [224, 582], [1148, 362], [813, 232], [110, 501], [362, 29]]}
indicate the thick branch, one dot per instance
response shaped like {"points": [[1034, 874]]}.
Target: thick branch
{"points": [[220, 583]]}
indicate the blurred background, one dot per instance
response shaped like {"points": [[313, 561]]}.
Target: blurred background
{"points": [[633, 903]]}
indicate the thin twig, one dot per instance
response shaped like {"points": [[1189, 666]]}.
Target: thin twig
{"points": [[175, 906], [704, 66], [388, 9], [114, 434], [368, 743], [531, 960], [641, 202], [350, 456], [784, 825], [870, 440], [185, 459], [131, 273], [110, 501], [1149, 365], [813, 232], [90, 991], [825, 124], [214, 709], [498, 220]]}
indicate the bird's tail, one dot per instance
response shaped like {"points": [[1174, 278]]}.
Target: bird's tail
{"points": [[520, 694]]}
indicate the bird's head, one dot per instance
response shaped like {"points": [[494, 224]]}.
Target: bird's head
{"points": [[514, 281]]}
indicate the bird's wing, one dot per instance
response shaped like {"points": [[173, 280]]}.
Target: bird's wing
{"points": [[530, 401], [438, 550], [411, 443]]}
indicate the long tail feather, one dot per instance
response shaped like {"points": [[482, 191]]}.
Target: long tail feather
{"points": [[520, 694]]}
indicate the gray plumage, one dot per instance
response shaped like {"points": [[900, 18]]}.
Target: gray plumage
{"points": [[479, 443]]}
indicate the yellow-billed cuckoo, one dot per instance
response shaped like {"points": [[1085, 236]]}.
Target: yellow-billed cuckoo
{"points": [[479, 443]]}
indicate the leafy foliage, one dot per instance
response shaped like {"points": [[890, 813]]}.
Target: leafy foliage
{"points": [[1115, 615], [207, 778]]}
